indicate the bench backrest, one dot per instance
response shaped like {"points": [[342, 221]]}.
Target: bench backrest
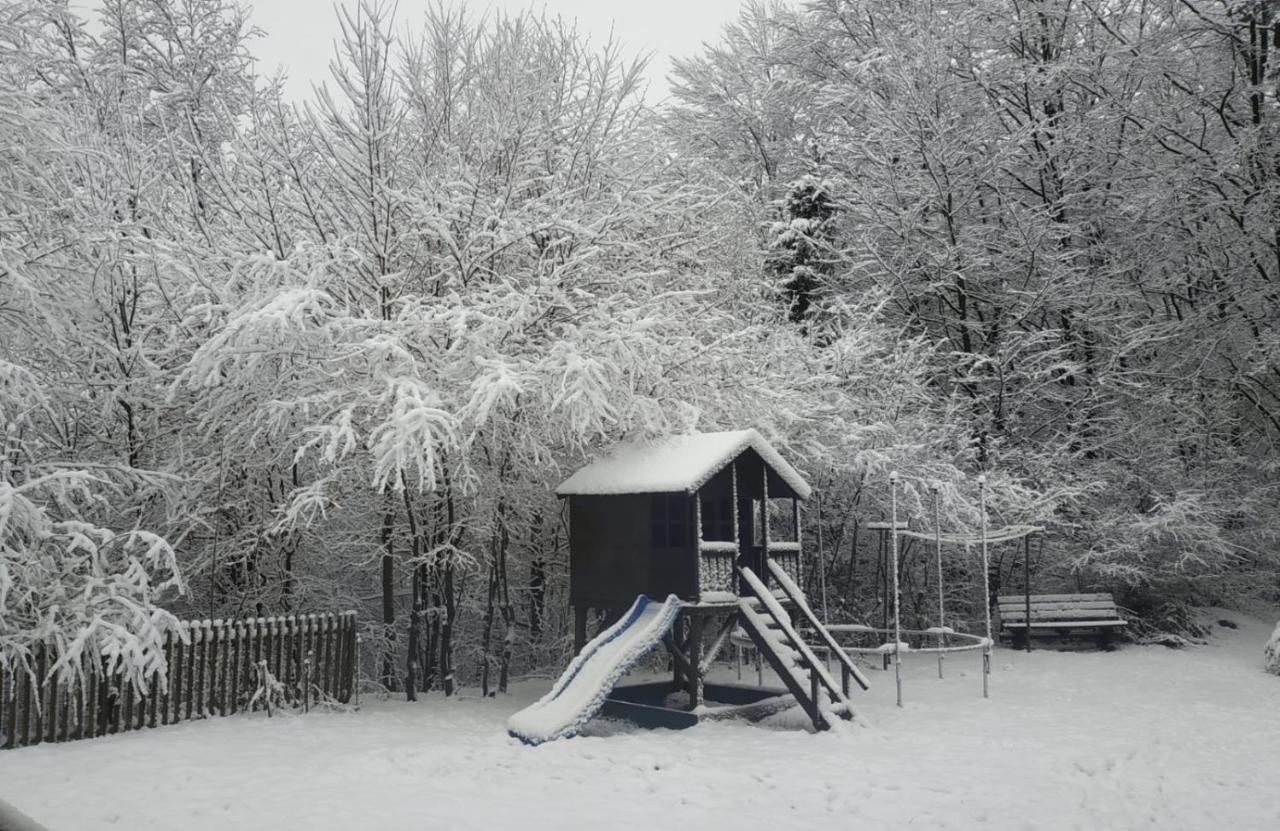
{"points": [[1098, 606]]}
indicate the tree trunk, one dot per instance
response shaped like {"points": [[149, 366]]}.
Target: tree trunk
{"points": [[505, 607], [537, 580], [487, 638], [446, 630], [415, 640], [388, 600], [433, 642]]}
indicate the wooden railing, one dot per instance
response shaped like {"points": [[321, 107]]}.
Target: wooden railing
{"points": [[787, 556], [717, 570], [215, 668]]}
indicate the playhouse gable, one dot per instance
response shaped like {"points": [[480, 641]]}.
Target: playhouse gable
{"points": [[682, 463]]}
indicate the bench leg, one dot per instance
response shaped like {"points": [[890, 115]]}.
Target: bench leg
{"points": [[1021, 638], [1104, 640]]}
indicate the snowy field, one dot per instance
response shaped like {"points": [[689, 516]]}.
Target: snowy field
{"points": [[1144, 737]]}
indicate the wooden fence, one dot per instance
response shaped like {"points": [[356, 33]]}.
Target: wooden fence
{"points": [[215, 670]]}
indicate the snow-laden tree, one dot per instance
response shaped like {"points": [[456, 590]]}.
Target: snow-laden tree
{"points": [[89, 598], [484, 262], [94, 253], [1065, 200]]}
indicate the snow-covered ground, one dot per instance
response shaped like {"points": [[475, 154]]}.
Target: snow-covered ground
{"points": [[1144, 737]]}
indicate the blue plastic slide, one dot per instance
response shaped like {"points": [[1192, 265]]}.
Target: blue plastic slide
{"points": [[584, 686]]}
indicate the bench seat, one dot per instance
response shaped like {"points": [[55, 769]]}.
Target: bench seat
{"points": [[1068, 624], [1061, 614]]}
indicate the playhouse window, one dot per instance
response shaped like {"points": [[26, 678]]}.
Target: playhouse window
{"points": [[717, 520], [670, 523], [782, 520]]}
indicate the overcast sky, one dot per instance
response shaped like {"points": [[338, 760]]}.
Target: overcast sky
{"points": [[300, 33]]}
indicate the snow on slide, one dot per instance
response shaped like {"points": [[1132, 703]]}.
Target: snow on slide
{"points": [[584, 686]]}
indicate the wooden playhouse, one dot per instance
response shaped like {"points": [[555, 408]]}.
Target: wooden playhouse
{"points": [[710, 521]]}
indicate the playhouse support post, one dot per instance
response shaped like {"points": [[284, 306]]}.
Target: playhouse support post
{"points": [[694, 653], [1026, 585], [884, 594], [897, 593], [986, 587], [579, 628], [675, 641]]}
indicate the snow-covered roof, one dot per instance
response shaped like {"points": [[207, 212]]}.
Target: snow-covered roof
{"points": [[673, 464]]}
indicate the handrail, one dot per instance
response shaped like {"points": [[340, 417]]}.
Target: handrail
{"points": [[797, 596]]}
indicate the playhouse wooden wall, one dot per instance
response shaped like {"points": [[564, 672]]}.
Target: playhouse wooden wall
{"points": [[613, 557]]}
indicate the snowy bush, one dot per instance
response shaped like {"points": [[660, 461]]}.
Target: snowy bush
{"points": [[86, 591], [1271, 654]]}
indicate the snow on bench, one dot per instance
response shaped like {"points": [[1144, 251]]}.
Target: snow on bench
{"points": [[1061, 614]]}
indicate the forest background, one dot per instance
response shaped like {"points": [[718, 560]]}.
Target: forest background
{"points": [[260, 356]]}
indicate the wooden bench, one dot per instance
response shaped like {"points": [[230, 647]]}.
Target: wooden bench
{"points": [[1060, 614]]}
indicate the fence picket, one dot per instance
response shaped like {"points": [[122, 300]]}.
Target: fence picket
{"points": [[286, 657], [331, 653], [317, 673], [353, 668], [308, 662], [189, 670], [277, 653], [228, 686], [340, 666], [327, 635], [202, 670], [237, 638], [217, 666], [164, 694], [255, 652], [349, 641], [173, 657], [217, 689]]}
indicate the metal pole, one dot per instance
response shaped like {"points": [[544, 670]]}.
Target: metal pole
{"points": [[355, 670], [897, 622], [986, 586], [884, 594], [937, 539], [1026, 585], [822, 568]]}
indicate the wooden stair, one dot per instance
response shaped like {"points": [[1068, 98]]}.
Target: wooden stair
{"points": [[790, 657]]}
